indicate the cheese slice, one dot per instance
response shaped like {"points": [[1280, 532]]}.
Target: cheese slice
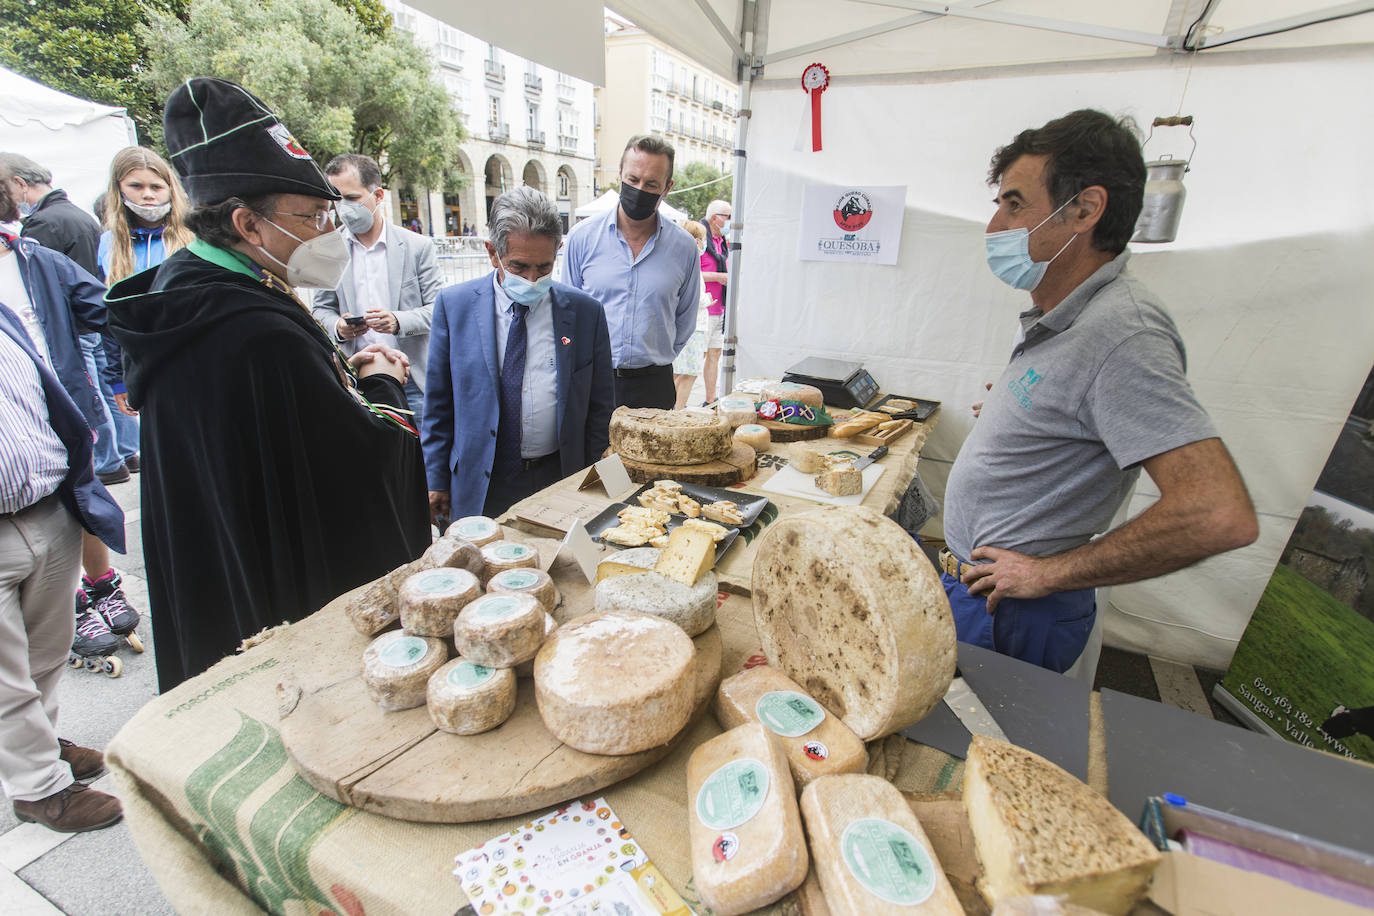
{"points": [[500, 556], [468, 699], [397, 666], [690, 553], [476, 529], [871, 855], [646, 591], [850, 608], [744, 831], [533, 582], [616, 683], [431, 600], [814, 742], [1039, 830], [500, 631]]}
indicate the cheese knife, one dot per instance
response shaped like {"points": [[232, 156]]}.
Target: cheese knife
{"points": [[871, 457], [971, 712]]}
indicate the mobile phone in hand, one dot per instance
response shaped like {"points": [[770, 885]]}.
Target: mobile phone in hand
{"points": [[355, 320]]}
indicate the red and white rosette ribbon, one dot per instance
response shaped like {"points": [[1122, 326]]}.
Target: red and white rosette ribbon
{"points": [[814, 80]]}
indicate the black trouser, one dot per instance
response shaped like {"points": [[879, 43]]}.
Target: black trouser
{"points": [[651, 386], [510, 485]]}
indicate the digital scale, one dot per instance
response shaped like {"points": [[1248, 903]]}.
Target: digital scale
{"points": [[843, 383]]}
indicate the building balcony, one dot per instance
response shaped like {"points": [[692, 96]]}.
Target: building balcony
{"points": [[659, 83], [535, 138], [658, 123], [668, 88], [534, 84], [567, 145], [567, 92], [495, 72], [498, 132], [717, 106]]}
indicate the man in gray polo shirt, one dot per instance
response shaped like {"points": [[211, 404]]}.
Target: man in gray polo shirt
{"points": [[1094, 392]]}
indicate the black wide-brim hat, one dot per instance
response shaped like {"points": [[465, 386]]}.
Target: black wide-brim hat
{"points": [[224, 142]]}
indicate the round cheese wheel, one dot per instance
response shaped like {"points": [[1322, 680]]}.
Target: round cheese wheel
{"points": [[477, 529], [805, 459], [533, 582], [431, 600], [499, 631], [737, 410], [616, 683], [468, 699], [503, 555], [691, 607], [526, 668], [850, 608], [677, 437], [791, 391], [755, 436], [397, 666], [456, 553]]}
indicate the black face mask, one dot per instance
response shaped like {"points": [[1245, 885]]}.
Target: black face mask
{"points": [[637, 204]]}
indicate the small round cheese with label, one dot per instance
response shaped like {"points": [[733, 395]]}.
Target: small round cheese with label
{"points": [[397, 666], [738, 410], [533, 582], [467, 699], [500, 556], [755, 436], [691, 607], [477, 529], [616, 683], [458, 553], [500, 631], [526, 668], [432, 599]]}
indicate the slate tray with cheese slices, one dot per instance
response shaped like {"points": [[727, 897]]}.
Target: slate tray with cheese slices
{"points": [[610, 518]]}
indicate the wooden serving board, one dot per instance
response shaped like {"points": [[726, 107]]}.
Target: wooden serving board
{"points": [[877, 436], [399, 765], [736, 467], [791, 432]]}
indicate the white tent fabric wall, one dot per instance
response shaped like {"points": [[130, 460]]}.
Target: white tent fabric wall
{"points": [[73, 138], [1269, 280]]}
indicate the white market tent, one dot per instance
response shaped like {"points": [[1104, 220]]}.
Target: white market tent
{"points": [[610, 200], [71, 137], [1269, 279]]}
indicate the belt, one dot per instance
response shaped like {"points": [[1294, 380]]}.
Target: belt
{"points": [[642, 370], [29, 508], [530, 464], [951, 564]]}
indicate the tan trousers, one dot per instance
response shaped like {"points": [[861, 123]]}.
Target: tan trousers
{"points": [[40, 564]]}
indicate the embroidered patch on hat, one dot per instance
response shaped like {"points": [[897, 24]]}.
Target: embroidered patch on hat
{"points": [[286, 141], [566, 341]]}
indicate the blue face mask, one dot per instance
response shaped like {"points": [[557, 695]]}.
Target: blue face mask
{"points": [[1009, 254], [523, 291], [26, 209]]}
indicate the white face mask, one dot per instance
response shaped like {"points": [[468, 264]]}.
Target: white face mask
{"points": [[153, 213], [319, 263]]}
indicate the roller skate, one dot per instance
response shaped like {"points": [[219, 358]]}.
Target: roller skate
{"points": [[94, 645], [107, 598]]}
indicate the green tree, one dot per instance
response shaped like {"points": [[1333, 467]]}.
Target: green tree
{"points": [[338, 86], [694, 201]]}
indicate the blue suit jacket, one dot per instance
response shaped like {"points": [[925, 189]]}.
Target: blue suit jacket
{"points": [[462, 388], [84, 496]]}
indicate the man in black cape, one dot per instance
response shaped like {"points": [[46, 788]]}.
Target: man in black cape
{"points": [[277, 474]]}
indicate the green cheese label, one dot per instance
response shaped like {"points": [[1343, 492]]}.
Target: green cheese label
{"points": [[496, 608], [435, 581], [510, 551], [732, 794], [517, 578], [788, 713], [465, 675], [474, 527], [403, 652], [888, 861]]}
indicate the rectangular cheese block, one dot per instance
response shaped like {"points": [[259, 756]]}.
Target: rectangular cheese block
{"points": [[813, 740], [690, 553], [870, 853], [744, 830]]}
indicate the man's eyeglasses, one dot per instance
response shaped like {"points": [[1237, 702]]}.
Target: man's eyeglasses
{"points": [[324, 220]]}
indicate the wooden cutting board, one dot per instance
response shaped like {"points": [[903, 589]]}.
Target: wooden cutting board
{"points": [[399, 765], [736, 467], [791, 432]]}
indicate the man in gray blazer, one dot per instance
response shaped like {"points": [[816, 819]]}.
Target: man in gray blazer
{"points": [[387, 293]]}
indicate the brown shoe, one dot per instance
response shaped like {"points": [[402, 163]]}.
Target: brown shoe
{"points": [[86, 763], [75, 809]]}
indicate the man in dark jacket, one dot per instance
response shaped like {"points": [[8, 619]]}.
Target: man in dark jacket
{"points": [[49, 217], [276, 473]]}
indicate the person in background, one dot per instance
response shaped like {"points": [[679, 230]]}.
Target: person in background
{"points": [[714, 264], [520, 392], [49, 217], [644, 271], [277, 473], [387, 292], [688, 364]]}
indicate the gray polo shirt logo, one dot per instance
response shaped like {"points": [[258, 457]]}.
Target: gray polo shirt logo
{"points": [[1020, 388]]}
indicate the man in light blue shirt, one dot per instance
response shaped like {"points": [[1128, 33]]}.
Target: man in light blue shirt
{"points": [[645, 272]]}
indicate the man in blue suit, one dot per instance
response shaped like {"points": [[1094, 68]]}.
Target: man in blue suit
{"points": [[519, 388]]}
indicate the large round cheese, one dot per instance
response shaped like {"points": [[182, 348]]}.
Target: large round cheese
{"points": [[755, 436], [691, 607], [526, 668], [455, 552], [500, 556], [499, 631], [477, 529], [431, 600], [679, 437], [468, 699], [397, 666], [616, 683], [849, 608], [533, 582], [791, 391]]}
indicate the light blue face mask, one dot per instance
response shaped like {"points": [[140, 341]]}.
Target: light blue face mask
{"points": [[1009, 254], [523, 291], [26, 209]]}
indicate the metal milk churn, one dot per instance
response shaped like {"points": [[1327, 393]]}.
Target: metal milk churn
{"points": [[1164, 191]]}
